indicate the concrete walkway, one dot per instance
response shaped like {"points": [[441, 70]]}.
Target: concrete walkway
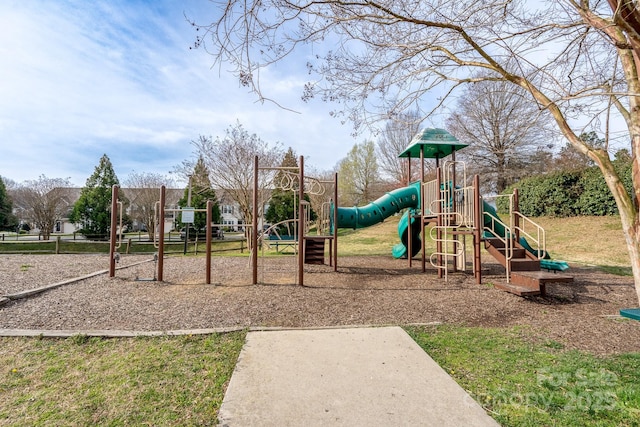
{"points": [[343, 377]]}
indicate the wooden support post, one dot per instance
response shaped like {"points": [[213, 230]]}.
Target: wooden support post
{"points": [[439, 221], [112, 231], [208, 240], [409, 244], [301, 223], [453, 207], [254, 224], [478, 229], [422, 213], [516, 218], [335, 222], [163, 200], [409, 215], [408, 170]]}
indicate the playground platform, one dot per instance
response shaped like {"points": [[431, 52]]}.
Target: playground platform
{"points": [[343, 377]]}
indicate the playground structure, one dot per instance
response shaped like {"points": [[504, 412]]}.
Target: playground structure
{"points": [[450, 204], [299, 234], [455, 211], [115, 239], [308, 249]]}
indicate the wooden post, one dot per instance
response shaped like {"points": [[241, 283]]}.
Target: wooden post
{"points": [[112, 232], [478, 229], [254, 223], [208, 240], [301, 242], [439, 222], [516, 218], [409, 250], [163, 197], [422, 211], [335, 222]]}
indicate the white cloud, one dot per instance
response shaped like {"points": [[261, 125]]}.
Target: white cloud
{"points": [[80, 79]]}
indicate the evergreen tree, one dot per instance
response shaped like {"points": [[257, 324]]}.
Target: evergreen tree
{"points": [[93, 209], [201, 191], [7, 220], [282, 204]]}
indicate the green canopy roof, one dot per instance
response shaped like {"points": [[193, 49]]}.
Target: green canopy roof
{"points": [[436, 143]]}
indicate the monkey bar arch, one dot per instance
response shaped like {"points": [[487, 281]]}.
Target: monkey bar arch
{"points": [[306, 185]]}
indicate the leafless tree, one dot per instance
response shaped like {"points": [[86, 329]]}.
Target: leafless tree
{"points": [[568, 158], [393, 139], [9, 183], [579, 60], [503, 129], [230, 164], [143, 192], [44, 202], [358, 175]]}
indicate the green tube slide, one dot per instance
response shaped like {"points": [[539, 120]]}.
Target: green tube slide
{"points": [[383, 207], [406, 232], [376, 211]]}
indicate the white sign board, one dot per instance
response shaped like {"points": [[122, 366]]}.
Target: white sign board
{"points": [[188, 215]]}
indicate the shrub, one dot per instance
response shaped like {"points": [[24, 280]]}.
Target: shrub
{"points": [[596, 199], [547, 195], [569, 193]]}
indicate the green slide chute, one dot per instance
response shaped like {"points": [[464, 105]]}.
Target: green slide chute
{"points": [[389, 204], [376, 211], [400, 250]]}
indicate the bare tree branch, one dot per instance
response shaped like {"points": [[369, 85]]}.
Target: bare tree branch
{"points": [[45, 201]]}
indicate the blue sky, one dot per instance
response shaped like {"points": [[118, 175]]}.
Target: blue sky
{"points": [[79, 79]]}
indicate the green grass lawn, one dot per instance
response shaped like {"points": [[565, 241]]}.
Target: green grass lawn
{"points": [[116, 382], [525, 384], [164, 381], [596, 241]]}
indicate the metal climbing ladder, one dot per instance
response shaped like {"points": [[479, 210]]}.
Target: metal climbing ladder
{"points": [[454, 212]]}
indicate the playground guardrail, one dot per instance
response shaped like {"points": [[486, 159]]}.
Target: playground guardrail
{"points": [[431, 194], [540, 240]]}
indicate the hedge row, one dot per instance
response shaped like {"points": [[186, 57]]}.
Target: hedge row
{"points": [[569, 193]]}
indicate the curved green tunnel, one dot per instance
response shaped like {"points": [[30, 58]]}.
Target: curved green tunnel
{"points": [[383, 207]]}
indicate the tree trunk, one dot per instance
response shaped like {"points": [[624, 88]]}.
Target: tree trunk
{"points": [[626, 203], [501, 182], [632, 235], [627, 207]]}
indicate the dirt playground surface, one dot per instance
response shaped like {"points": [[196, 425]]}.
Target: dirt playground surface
{"points": [[364, 291]]}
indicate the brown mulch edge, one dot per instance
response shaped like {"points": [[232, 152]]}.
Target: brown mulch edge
{"points": [[365, 291]]}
